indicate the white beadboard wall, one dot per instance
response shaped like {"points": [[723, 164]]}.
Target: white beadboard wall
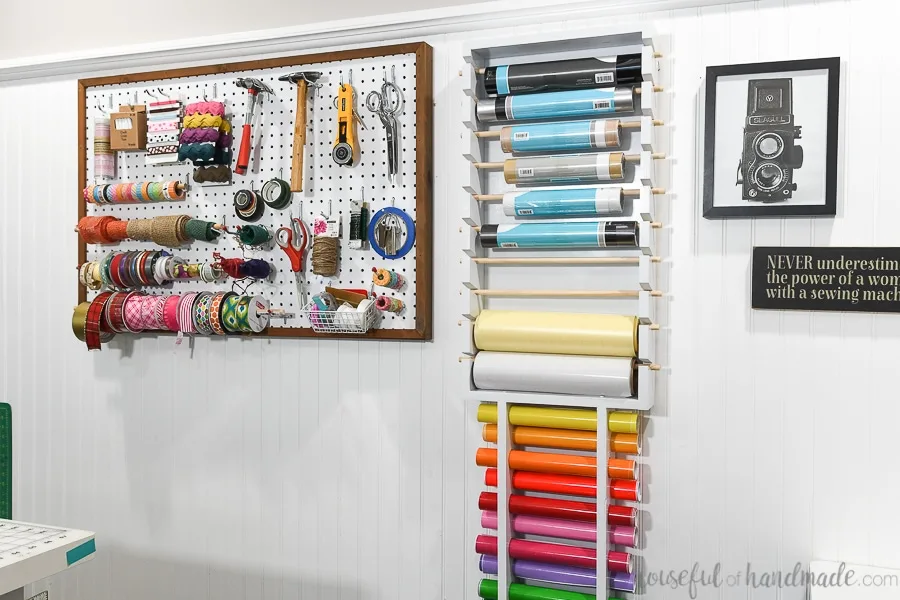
{"points": [[302, 469]]}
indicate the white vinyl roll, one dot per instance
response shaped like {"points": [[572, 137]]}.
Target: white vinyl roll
{"points": [[555, 374]]}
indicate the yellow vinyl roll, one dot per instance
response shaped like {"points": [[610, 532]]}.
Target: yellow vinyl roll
{"points": [[561, 418], [623, 422], [556, 333], [487, 413]]}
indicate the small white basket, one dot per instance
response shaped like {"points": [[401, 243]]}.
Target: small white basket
{"points": [[333, 321]]}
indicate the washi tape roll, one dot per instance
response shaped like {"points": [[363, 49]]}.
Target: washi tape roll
{"points": [[565, 202], [556, 105], [563, 75], [565, 170], [569, 136], [555, 374], [556, 333]]}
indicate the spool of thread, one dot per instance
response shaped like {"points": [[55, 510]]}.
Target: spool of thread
{"points": [[563, 75], [387, 304], [555, 374], [577, 234], [325, 251], [565, 202], [566, 136], [387, 278], [556, 333], [254, 235], [205, 231], [556, 105]]}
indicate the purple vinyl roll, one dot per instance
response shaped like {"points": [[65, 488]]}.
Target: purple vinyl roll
{"points": [[559, 574], [622, 582]]}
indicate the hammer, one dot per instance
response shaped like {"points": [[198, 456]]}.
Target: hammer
{"points": [[254, 87], [303, 79]]}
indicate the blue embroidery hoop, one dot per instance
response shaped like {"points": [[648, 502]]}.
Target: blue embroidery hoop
{"points": [[410, 232]]}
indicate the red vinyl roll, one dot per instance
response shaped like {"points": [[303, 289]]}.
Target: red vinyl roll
{"points": [[550, 507], [486, 544], [487, 501], [548, 483], [617, 561], [624, 489], [620, 515], [490, 477], [557, 554]]}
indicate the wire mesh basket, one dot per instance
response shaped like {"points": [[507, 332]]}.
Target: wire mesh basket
{"points": [[342, 320]]}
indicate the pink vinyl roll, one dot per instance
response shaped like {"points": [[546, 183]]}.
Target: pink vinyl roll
{"points": [[559, 528], [623, 535]]}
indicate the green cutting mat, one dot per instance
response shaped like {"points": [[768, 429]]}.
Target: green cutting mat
{"points": [[6, 466]]}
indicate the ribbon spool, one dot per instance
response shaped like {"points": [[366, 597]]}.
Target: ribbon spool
{"points": [[387, 278], [276, 193], [104, 157], [248, 206], [212, 174], [208, 107], [388, 304], [254, 235]]}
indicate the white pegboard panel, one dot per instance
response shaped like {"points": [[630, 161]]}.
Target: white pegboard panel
{"points": [[324, 181]]}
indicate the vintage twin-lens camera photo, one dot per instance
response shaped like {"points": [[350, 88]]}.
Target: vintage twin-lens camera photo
{"points": [[771, 139]]}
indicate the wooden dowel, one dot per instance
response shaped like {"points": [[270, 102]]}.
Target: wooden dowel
{"points": [[628, 193], [487, 134], [488, 165], [637, 124], [656, 88], [556, 293], [636, 158], [656, 225], [479, 71], [557, 261], [651, 366], [657, 55], [488, 197], [462, 358]]}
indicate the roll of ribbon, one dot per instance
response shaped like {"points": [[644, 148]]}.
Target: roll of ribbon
{"points": [[489, 590], [558, 528], [202, 120], [573, 169], [577, 234], [563, 75], [625, 489], [556, 105], [565, 202], [254, 235], [276, 193], [555, 374], [104, 157], [210, 107], [556, 333], [526, 481], [567, 136], [536, 571], [567, 439], [202, 313], [623, 422], [248, 206]]}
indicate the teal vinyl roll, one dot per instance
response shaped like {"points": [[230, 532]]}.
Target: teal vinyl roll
{"points": [[584, 234], [570, 136], [565, 202], [557, 105]]}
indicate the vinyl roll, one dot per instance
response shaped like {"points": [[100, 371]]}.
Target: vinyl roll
{"points": [[625, 489], [487, 413], [574, 169], [622, 582], [487, 501], [556, 333], [541, 462], [561, 75], [556, 554], [565, 203], [486, 544], [625, 443], [619, 535], [556, 105], [623, 422], [577, 234], [544, 437], [555, 374], [566, 136], [621, 468], [536, 571], [526, 481], [558, 528], [563, 418], [619, 561], [489, 590], [621, 515]]}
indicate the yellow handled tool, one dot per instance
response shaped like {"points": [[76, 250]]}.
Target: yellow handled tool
{"points": [[346, 148]]}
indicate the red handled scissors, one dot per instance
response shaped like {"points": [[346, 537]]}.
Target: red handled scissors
{"points": [[294, 241]]}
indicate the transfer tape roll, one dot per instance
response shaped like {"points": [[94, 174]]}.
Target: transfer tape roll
{"points": [[555, 374], [576, 234], [556, 105], [565, 170], [556, 333], [567, 136], [565, 202], [561, 75]]}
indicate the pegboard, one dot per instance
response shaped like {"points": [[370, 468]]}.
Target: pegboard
{"points": [[327, 187]]}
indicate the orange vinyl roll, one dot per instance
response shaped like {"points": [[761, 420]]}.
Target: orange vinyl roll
{"points": [[486, 457], [621, 468], [544, 462], [545, 437], [624, 443]]}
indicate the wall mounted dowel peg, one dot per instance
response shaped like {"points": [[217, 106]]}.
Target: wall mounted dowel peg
{"points": [[488, 197], [464, 358], [557, 261], [488, 134], [557, 293], [657, 54], [656, 88], [654, 327]]}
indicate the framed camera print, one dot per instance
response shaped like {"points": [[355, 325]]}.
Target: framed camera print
{"points": [[771, 139]]}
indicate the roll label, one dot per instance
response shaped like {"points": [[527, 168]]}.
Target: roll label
{"points": [[602, 105], [605, 77], [509, 245], [525, 212], [521, 136], [526, 172]]}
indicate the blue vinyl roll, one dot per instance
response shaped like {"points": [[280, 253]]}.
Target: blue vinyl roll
{"points": [[557, 105], [564, 202], [585, 234], [561, 137]]}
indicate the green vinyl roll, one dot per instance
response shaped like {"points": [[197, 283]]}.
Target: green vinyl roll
{"points": [[487, 589]]}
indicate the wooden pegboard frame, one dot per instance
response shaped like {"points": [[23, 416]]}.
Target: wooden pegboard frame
{"points": [[423, 191]]}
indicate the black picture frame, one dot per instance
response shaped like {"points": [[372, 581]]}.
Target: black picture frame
{"points": [[761, 209]]}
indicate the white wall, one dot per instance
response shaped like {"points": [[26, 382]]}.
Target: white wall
{"points": [[348, 472]]}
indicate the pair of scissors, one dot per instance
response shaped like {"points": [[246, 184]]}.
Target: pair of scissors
{"points": [[387, 104], [294, 241]]}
